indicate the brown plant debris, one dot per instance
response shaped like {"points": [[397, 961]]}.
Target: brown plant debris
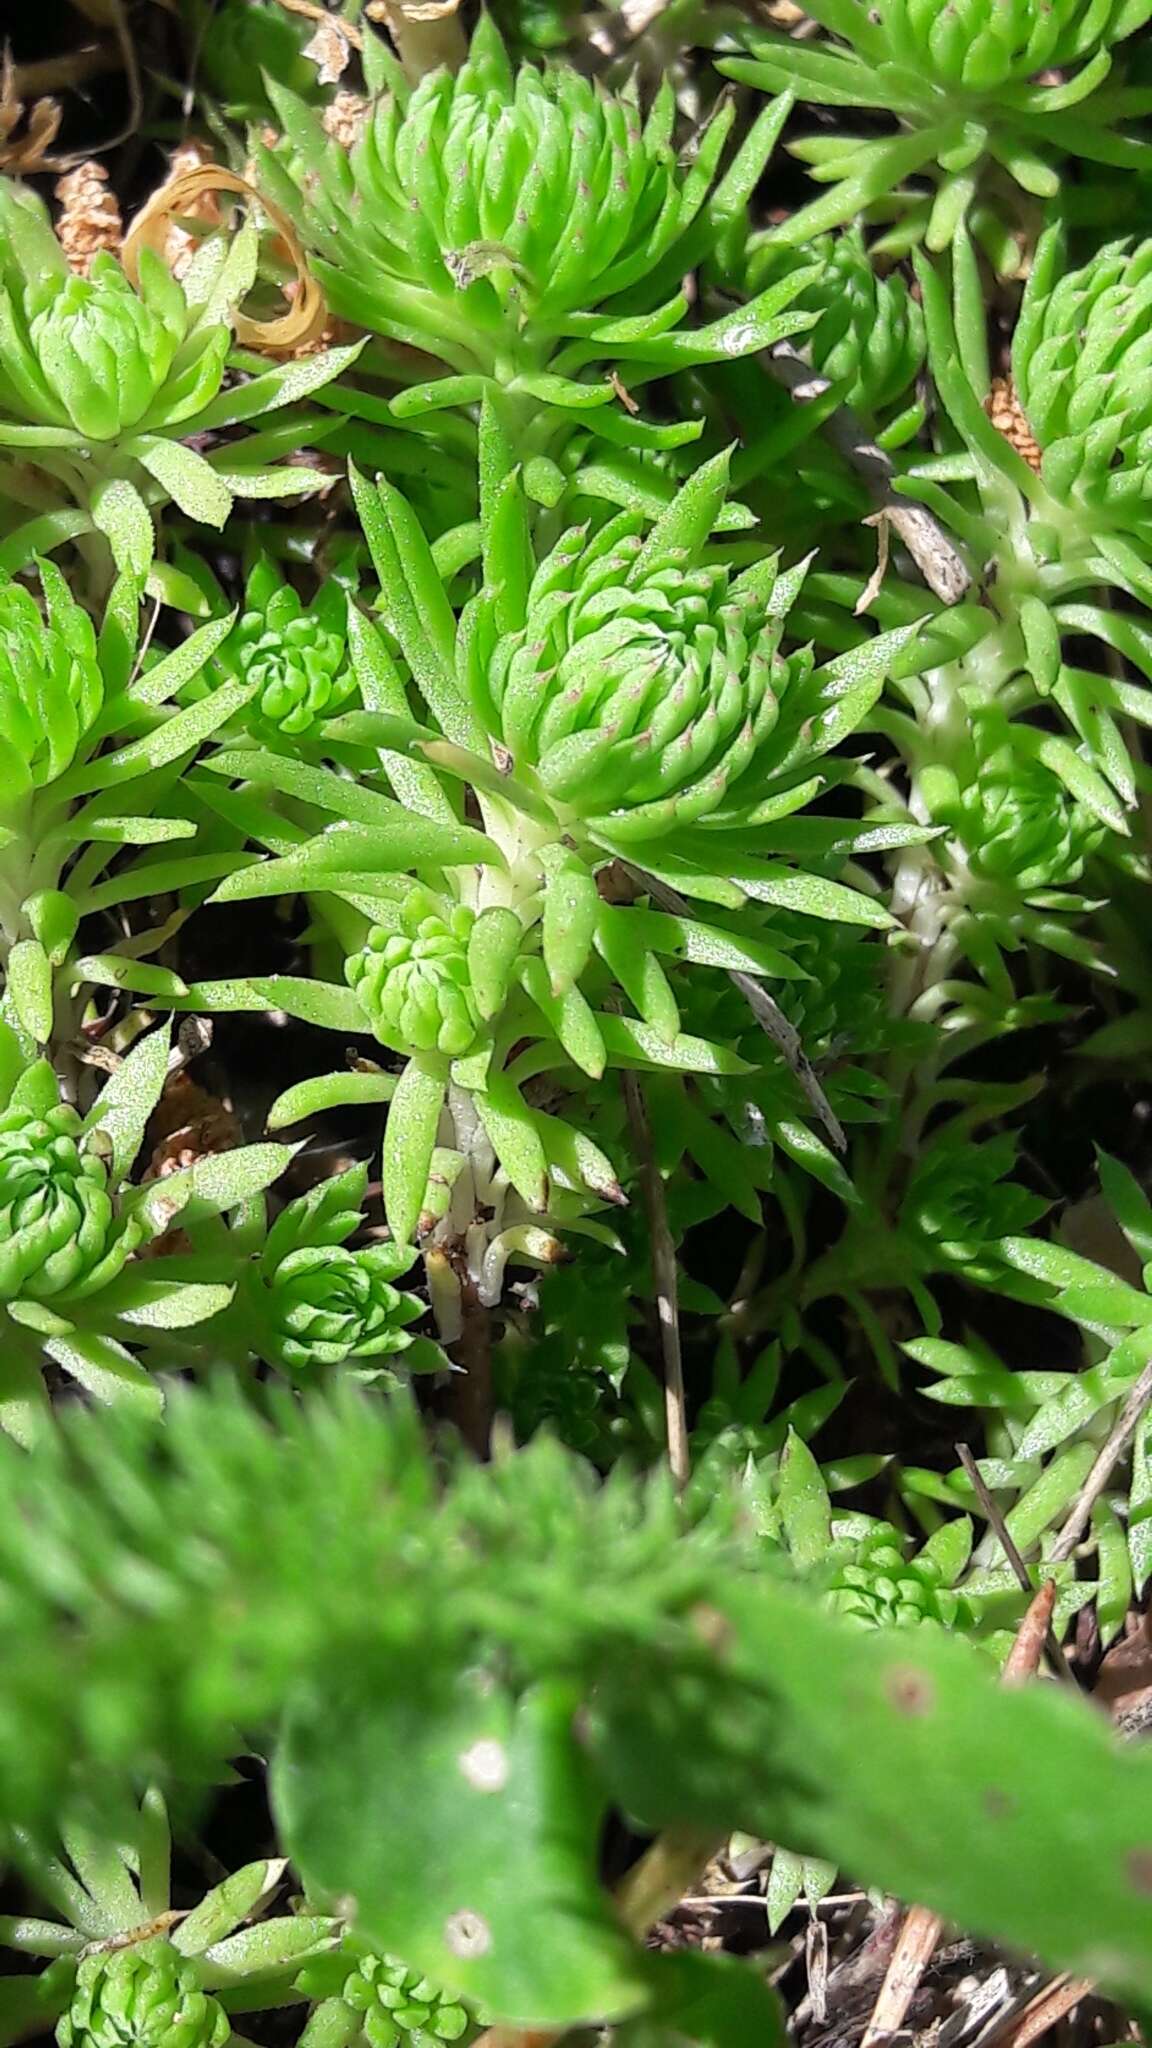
{"points": [[305, 320], [90, 218], [1007, 416], [24, 152], [330, 51], [345, 116], [188, 1124]]}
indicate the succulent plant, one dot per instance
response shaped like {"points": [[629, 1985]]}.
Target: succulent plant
{"points": [[145, 1996], [413, 981], [873, 1579], [105, 380], [57, 1228], [295, 655], [968, 85], [1018, 825], [399, 2005], [520, 225], [642, 684], [312, 1302], [73, 1292], [868, 339], [53, 688], [1080, 360], [958, 1203], [613, 695], [242, 42]]}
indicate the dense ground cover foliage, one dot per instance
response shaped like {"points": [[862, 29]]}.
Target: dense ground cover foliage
{"points": [[575, 1242]]}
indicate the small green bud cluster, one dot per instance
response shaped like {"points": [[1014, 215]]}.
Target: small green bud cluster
{"points": [[143, 1996], [413, 982], [1021, 826], [958, 1204], [1081, 364], [869, 334], [398, 2005], [976, 46], [104, 351], [875, 1582], [56, 1218], [299, 664], [329, 1305]]}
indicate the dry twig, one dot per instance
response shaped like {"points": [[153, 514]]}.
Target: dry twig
{"points": [[1057, 1661], [938, 561], [1107, 1457], [1044, 2010]]}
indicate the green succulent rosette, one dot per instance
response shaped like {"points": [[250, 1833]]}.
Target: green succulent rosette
{"points": [[868, 339], [1081, 359], [519, 224], [106, 379], [398, 2006], [295, 654], [58, 1229], [143, 1996], [974, 47], [332, 1306], [992, 98], [874, 1581], [413, 981], [53, 688], [313, 1302], [1022, 828], [105, 350], [643, 681], [958, 1204]]}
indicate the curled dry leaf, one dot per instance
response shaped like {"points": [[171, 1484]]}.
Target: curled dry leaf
{"points": [[305, 320], [202, 215]]}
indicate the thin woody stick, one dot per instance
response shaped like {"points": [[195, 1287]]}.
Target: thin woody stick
{"points": [[1057, 1661], [1050, 2005], [938, 561], [1108, 1456]]}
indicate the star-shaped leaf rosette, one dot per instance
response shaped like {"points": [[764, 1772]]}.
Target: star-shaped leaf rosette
{"points": [[622, 719], [125, 1969], [79, 1291], [94, 807], [1046, 480], [104, 382], [530, 232], [989, 96]]}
